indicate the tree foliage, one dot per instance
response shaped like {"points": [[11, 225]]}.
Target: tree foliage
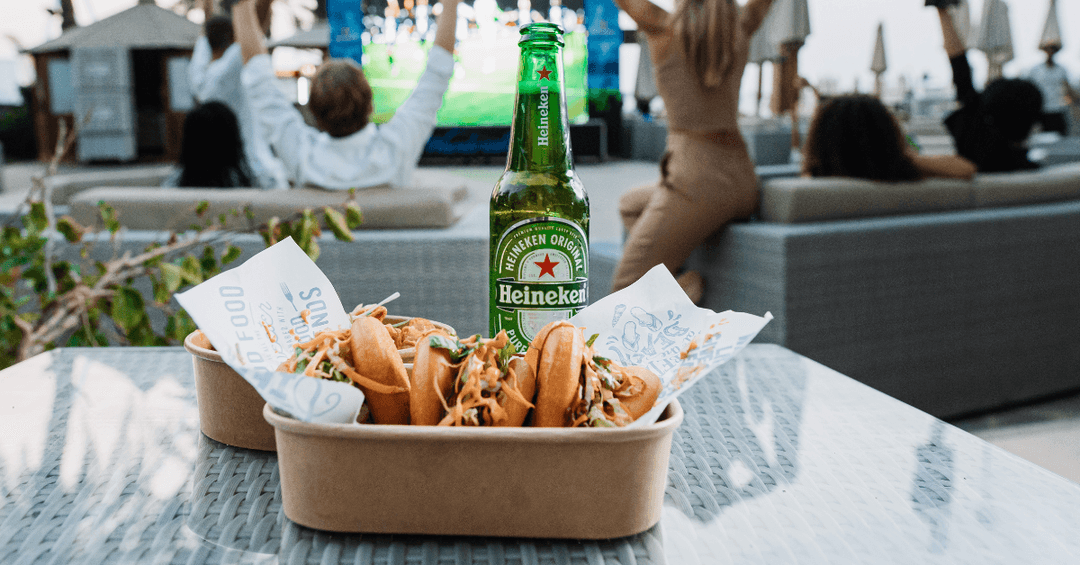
{"points": [[48, 302]]}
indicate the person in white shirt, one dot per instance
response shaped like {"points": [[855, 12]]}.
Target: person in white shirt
{"points": [[1053, 82], [214, 75], [345, 150]]}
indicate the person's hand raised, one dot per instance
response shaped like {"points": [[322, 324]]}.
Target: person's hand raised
{"points": [[247, 29]]}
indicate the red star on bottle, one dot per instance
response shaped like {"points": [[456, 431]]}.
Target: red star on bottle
{"points": [[544, 73], [547, 266]]}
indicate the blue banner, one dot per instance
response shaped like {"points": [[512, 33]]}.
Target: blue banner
{"points": [[346, 19], [605, 37]]}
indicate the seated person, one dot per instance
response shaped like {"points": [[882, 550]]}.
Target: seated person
{"points": [[212, 151], [345, 151], [214, 75], [989, 128], [856, 136]]}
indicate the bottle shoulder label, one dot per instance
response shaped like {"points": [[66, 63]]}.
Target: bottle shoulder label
{"points": [[540, 274]]}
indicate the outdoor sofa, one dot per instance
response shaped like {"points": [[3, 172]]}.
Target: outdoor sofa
{"points": [[954, 296], [429, 242]]}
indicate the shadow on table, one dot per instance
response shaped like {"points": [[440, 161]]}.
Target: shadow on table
{"points": [[740, 438], [236, 498], [931, 489]]}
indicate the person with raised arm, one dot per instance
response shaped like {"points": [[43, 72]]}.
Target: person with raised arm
{"points": [[990, 127], [214, 75], [345, 150], [707, 178]]}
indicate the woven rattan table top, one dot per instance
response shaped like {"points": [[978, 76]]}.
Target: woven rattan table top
{"points": [[779, 460]]}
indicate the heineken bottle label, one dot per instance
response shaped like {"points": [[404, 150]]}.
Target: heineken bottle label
{"points": [[541, 269]]}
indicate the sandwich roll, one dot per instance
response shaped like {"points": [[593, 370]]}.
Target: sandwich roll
{"points": [[639, 390], [376, 358], [556, 354], [432, 381], [520, 377]]}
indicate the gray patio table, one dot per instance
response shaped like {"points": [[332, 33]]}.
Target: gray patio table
{"points": [[779, 460]]}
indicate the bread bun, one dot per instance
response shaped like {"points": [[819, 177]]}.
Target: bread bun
{"points": [[556, 355], [520, 376], [376, 357], [641, 387], [432, 381]]}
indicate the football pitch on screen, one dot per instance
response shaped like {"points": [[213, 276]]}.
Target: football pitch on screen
{"points": [[482, 89]]}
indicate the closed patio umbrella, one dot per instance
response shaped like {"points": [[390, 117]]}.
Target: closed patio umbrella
{"points": [[1051, 34], [995, 36], [877, 63], [788, 27], [762, 49]]}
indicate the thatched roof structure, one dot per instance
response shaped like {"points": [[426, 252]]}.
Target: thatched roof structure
{"points": [[143, 26]]}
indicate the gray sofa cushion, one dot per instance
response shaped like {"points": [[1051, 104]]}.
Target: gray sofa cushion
{"points": [[155, 208], [799, 200]]}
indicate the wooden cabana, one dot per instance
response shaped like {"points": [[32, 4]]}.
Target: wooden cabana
{"points": [[128, 73]]}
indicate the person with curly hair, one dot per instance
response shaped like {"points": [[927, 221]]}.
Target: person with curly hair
{"points": [[856, 136]]}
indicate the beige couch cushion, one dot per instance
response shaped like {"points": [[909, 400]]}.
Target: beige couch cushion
{"points": [[797, 200], [1060, 182], [156, 208], [66, 185]]}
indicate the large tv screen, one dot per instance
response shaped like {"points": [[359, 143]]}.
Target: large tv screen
{"points": [[481, 91]]}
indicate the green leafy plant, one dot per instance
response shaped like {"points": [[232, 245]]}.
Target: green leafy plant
{"points": [[48, 302]]}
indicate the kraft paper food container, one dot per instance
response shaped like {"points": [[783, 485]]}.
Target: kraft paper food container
{"points": [[409, 354], [581, 483], [230, 411]]}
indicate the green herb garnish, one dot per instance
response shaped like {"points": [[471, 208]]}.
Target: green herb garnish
{"points": [[591, 340], [458, 350], [506, 353]]}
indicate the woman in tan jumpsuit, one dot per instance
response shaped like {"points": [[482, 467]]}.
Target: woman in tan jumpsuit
{"points": [[706, 176]]}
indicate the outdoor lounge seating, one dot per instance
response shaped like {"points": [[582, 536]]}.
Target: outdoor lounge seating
{"points": [[174, 208], [65, 186], [429, 244], [956, 297]]}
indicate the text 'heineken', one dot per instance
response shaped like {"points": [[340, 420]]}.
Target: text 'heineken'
{"points": [[539, 211]]}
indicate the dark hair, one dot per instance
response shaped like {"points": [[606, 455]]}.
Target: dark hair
{"points": [[856, 136], [1013, 106], [219, 32], [212, 152], [340, 98]]}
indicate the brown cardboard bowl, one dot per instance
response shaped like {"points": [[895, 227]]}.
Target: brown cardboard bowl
{"points": [[230, 411], [511, 482], [409, 354]]}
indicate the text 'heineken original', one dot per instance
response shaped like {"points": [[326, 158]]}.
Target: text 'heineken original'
{"points": [[539, 250]]}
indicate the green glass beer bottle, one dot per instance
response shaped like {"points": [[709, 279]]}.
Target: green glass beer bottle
{"points": [[539, 216]]}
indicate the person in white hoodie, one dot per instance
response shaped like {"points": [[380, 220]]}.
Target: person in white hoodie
{"points": [[214, 75], [345, 150]]}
